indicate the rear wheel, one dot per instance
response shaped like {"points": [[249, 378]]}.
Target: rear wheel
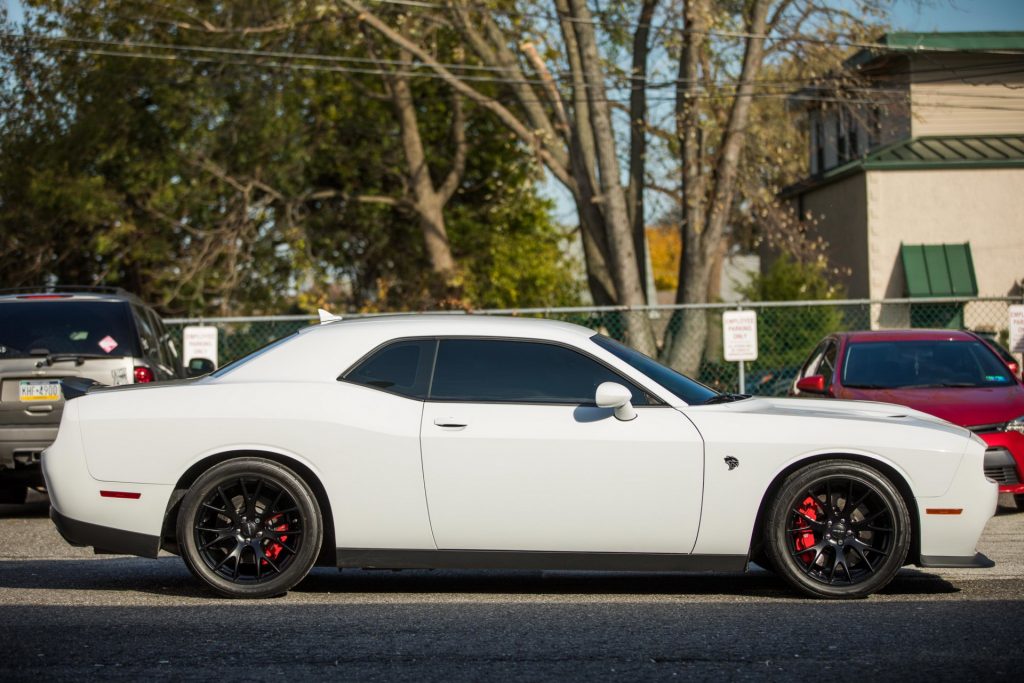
{"points": [[249, 528], [837, 529]]}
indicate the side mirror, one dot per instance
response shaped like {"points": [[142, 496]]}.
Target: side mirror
{"points": [[815, 384], [200, 366], [614, 395]]}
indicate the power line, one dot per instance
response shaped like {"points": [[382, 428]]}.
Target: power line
{"points": [[419, 74], [339, 59], [478, 7]]}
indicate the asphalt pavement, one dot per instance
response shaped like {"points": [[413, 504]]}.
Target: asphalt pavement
{"points": [[68, 614]]}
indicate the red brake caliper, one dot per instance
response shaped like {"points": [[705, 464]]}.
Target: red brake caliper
{"points": [[273, 550], [805, 540]]}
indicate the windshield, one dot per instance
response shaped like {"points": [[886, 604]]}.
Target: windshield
{"points": [[86, 328], [920, 364], [685, 388]]}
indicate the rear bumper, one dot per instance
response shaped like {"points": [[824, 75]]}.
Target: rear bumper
{"points": [[20, 447], [104, 539]]}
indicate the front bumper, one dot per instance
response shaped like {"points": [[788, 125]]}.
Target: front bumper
{"points": [[1004, 460], [105, 540]]}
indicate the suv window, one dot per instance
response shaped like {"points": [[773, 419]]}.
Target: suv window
{"points": [[402, 367], [164, 344], [88, 328], [147, 335], [492, 370]]}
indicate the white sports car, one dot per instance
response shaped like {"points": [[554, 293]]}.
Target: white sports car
{"points": [[469, 441]]}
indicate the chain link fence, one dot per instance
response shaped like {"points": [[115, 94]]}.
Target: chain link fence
{"points": [[787, 331]]}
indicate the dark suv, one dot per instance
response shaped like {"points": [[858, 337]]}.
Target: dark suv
{"points": [[103, 334]]}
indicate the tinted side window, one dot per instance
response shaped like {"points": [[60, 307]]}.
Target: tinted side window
{"points": [[147, 335], [828, 363], [166, 357], [401, 368], [519, 372], [811, 365]]}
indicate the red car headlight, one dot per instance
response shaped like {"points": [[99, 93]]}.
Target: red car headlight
{"points": [[1016, 425]]}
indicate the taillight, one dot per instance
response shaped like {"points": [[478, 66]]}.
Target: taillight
{"points": [[143, 375]]}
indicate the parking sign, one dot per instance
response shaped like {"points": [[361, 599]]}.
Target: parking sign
{"points": [[1017, 329], [199, 342], [739, 335]]}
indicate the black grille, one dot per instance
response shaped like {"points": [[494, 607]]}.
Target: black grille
{"points": [[988, 429], [1000, 466], [1002, 475]]}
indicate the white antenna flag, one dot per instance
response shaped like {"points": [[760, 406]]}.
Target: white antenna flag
{"points": [[327, 316]]}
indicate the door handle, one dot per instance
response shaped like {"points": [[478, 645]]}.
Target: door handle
{"points": [[450, 422]]}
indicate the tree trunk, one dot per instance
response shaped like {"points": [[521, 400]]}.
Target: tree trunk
{"points": [[428, 202], [638, 137], [708, 204], [639, 332]]}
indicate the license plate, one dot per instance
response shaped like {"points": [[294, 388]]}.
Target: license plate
{"points": [[39, 390]]}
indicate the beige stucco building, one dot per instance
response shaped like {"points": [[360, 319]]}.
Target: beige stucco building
{"points": [[919, 190]]}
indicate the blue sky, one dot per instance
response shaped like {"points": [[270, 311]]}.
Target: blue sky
{"points": [[912, 15], [958, 15]]}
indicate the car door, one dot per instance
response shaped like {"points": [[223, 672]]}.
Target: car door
{"points": [[516, 456]]}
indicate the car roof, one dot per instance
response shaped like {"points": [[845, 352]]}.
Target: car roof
{"points": [[461, 324], [27, 294], [907, 335]]}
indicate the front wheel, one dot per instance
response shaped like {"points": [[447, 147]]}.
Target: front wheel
{"points": [[249, 528], [837, 529], [1018, 498]]}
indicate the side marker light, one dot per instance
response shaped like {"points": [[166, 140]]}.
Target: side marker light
{"points": [[121, 494]]}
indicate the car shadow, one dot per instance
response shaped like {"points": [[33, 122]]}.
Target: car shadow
{"points": [[167, 576], [27, 510]]}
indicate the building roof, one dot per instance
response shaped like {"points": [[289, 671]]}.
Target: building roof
{"points": [[907, 42], [926, 152], [938, 270]]}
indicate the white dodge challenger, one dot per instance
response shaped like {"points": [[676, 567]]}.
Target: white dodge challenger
{"points": [[469, 441]]}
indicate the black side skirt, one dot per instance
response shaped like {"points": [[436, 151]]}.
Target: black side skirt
{"points": [[976, 561], [104, 539], [371, 558]]}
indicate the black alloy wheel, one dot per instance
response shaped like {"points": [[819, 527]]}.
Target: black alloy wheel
{"points": [[249, 528], [838, 529]]}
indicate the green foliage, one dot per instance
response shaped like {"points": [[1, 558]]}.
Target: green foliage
{"points": [[798, 329], [227, 185]]}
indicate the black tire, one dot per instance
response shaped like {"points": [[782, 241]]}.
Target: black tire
{"points": [[249, 528], [826, 550], [1018, 498]]}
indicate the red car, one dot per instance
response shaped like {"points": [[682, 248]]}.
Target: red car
{"points": [[951, 374]]}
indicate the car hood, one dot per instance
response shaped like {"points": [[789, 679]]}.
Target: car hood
{"points": [[963, 406], [867, 411]]}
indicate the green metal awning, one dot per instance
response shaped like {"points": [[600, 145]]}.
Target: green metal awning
{"points": [[926, 153], [939, 270]]}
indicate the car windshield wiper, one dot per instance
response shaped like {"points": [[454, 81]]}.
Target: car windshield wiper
{"points": [[725, 398], [868, 386], [78, 358]]}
